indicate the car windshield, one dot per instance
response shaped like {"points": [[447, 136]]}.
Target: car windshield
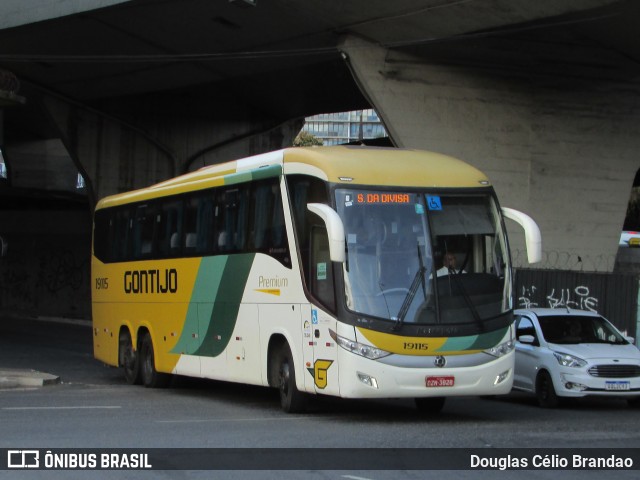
{"points": [[572, 329], [424, 258]]}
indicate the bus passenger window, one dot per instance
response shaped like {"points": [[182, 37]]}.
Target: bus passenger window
{"points": [[143, 231], [169, 226], [191, 226], [262, 212]]}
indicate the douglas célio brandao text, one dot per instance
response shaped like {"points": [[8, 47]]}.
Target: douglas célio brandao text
{"points": [[550, 461]]}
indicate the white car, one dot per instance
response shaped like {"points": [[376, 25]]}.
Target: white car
{"points": [[573, 353], [629, 238]]}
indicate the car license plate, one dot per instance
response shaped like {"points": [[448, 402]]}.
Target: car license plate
{"points": [[617, 386], [441, 381]]}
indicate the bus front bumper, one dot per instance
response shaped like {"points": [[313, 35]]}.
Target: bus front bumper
{"points": [[364, 378]]}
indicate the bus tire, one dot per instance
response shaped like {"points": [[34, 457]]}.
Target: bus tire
{"points": [[430, 405], [291, 399], [129, 359], [151, 378]]}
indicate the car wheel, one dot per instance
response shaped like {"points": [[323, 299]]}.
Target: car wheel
{"points": [[547, 397], [634, 402]]}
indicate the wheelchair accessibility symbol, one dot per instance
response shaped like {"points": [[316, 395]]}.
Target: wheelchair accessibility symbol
{"points": [[434, 202]]}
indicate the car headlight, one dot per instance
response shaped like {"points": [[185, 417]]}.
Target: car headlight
{"points": [[367, 351], [501, 350], [567, 360]]}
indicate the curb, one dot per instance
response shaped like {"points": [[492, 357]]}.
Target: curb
{"points": [[15, 378]]}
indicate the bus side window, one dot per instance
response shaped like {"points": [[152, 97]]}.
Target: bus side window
{"points": [[143, 231], [190, 226], [243, 201], [205, 227], [120, 239], [261, 213], [304, 190], [321, 268], [102, 234], [169, 226]]}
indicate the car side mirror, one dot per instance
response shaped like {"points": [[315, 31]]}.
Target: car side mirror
{"points": [[631, 340], [528, 339]]}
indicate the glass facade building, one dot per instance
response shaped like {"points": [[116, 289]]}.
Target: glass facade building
{"points": [[345, 127]]}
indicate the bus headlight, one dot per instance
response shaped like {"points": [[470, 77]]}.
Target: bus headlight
{"points": [[501, 350], [367, 351]]}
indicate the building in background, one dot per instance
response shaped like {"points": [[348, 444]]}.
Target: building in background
{"points": [[345, 127]]}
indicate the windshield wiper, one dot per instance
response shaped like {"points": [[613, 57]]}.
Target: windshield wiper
{"points": [[413, 289], [467, 299]]}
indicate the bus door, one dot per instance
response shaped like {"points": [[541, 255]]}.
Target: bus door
{"points": [[319, 322]]}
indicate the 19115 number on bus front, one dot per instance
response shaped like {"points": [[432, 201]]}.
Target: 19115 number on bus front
{"points": [[416, 346]]}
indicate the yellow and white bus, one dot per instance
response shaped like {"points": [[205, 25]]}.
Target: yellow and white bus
{"points": [[315, 271]]}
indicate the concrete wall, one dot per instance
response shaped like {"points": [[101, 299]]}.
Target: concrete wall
{"points": [[46, 270], [564, 150]]}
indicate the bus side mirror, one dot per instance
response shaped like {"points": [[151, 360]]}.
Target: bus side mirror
{"points": [[532, 236], [4, 246], [335, 230]]}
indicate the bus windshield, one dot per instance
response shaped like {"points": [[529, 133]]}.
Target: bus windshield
{"points": [[424, 258]]}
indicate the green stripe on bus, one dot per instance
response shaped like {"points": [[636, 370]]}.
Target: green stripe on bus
{"points": [[215, 302], [474, 342], [204, 293], [489, 339], [253, 175], [222, 321]]}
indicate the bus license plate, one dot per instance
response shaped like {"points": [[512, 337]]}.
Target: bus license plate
{"points": [[617, 386], [440, 381]]}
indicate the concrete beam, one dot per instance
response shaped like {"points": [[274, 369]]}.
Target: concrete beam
{"points": [[564, 150], [19, 12], [135, 150]]}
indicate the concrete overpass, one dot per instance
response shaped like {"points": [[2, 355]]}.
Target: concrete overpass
{"points": [[543, 96]]}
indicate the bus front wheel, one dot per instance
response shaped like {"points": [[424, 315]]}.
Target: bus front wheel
{"points": [[151, 378], [291, 399]]}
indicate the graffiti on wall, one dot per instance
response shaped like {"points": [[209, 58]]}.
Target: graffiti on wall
{"points": [[61, 269], [615, 296], [577, 298]]}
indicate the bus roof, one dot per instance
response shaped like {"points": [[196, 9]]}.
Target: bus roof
{"points": [[351, 165]]}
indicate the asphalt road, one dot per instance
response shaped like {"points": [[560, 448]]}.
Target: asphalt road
{"points": [[92, 407]]}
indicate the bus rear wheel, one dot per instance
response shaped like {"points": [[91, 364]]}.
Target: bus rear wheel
{"points": [[129, 360], [151, 378], [291, 399]]}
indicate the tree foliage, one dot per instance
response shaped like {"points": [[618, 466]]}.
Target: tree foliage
{"points": [[306, 139]]}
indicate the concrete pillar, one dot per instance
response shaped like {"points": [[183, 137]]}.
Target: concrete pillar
{"points": [[563, 150]]}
